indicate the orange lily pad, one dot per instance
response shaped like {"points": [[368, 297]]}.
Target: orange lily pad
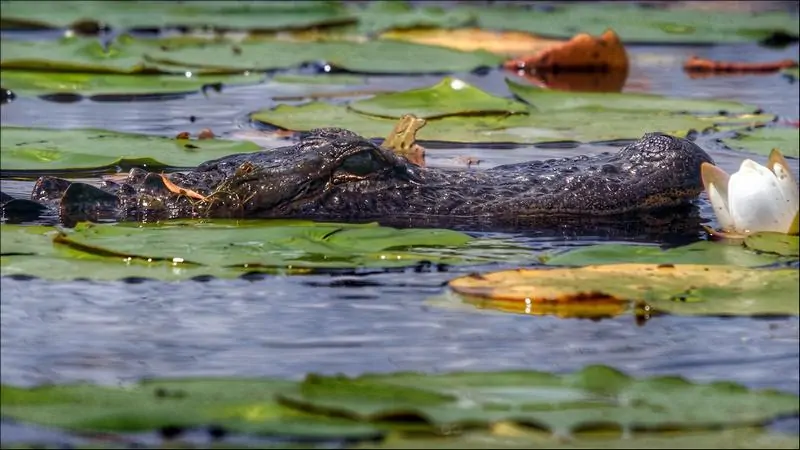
{"points": [[581, 53]]}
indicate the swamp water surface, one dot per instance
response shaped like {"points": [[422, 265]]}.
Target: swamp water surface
{"points": [[111, 332]]}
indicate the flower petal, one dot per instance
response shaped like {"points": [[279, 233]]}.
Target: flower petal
{"points": [[715, 181], [778, 165], [756, 201]]}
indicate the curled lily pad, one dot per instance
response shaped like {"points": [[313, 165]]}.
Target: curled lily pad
{"points": [[689, 289]]}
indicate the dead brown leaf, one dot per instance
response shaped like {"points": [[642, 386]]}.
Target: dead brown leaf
{"points": [[175, 189], [206, 133], [582, 53], [704, 67], [183, 135]]}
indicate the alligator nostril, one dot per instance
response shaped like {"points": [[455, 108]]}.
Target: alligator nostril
{"points": [[609, 168]]}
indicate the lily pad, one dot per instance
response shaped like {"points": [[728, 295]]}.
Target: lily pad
{"points": [[548, 100], [762, 140], [596, 396], [185, 249], [792, 73], [450, 97], [88, 84], [777, 243], [28, 149], [374, 17], [238, 405], [265, 16], [637, 24], [179, 55], [533, 128], [687, 289], [522, 438], [376, 57], [703, 252]]}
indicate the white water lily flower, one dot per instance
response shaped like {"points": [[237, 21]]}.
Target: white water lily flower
{"points": [[756, 198]]}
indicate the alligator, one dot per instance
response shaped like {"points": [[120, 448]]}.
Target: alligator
{"points": [[333, 174]]}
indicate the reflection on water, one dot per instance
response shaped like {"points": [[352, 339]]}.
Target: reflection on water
{"points": [[287, 326]]}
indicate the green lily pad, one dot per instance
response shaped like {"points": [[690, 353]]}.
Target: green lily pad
{"points": [[450, 97], [53, 150], [380, 57], [777, 243], [587, 402], [533, 128], [548, 100], [459, 112], [179, 55], [792, 72], [88, 84], [185, 249], [326, 79], [703, 252], [636, 24], [265, 16], [374, 17], [762, 140], [744, 438], [238, 405], [683, 289], [597, 396]]}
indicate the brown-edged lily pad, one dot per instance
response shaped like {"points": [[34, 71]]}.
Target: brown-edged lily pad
{"points": [[674, 288]]}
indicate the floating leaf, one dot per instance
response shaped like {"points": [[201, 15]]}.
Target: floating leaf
{"points": [[507, 43], [536, 127], [777, 243], [238, 405], [374, 17], [762, 140], [703, 252], [596, 396], [637, 24], [450, 97], [546, 100], [185, 249], [178, 55], [793, 73], [52, 150], [88, 84], [265, 16], [745, 438], [688, 289]]}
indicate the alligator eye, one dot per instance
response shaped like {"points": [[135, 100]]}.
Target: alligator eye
{"points": [[361, 163]]}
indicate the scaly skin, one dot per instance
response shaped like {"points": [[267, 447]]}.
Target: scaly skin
{"points": [[334, 174]]}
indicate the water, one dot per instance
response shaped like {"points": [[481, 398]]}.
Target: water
{"points": [[116, 332]]}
